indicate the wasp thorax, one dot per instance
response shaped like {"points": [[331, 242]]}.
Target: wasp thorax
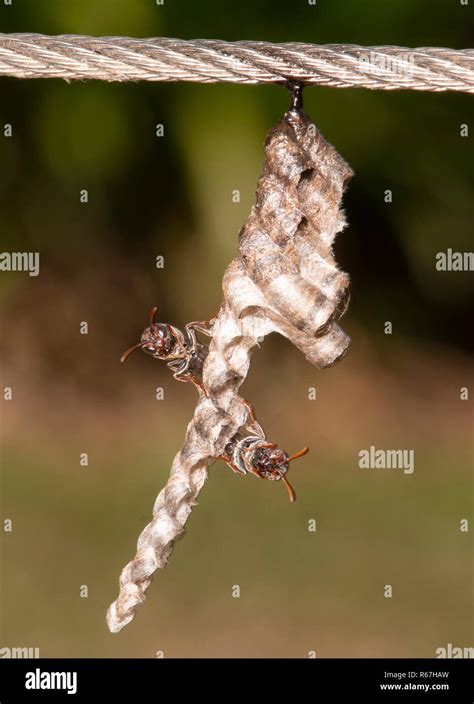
{"points": [[158, 340], [270, 463]]}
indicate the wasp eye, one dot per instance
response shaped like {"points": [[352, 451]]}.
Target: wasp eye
{"points": [[159, 330]]}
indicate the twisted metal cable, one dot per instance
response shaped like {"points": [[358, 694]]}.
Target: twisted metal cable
{"points": [[212, 61]]}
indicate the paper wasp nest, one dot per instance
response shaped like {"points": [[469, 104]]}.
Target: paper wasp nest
{"points": [[285, 277]]}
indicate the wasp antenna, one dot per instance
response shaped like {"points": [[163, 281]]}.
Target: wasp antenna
{"points": [[152, 315], [290, 490], [302, 452], [129, 352]]}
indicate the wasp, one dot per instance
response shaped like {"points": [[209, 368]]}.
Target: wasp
{"points": [[253, 454], [182, 352]]}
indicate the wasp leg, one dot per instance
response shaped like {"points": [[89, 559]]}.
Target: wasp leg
{"points": [[254, 427], [178, 335], [200, 386], [183, 376], [204, 326], [228, 461]]}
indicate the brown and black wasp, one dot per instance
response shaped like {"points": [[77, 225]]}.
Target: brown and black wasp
{"points": [[253, 454], [249, 451], [182, 351]]}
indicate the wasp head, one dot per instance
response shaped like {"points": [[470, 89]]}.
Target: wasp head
{"points": [[270, 462], [158, 339]]}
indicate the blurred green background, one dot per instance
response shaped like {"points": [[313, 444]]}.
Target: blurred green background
{"points": [[172, 196]]}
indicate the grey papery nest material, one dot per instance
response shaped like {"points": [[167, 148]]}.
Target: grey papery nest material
{"points": [[284, 279]]}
